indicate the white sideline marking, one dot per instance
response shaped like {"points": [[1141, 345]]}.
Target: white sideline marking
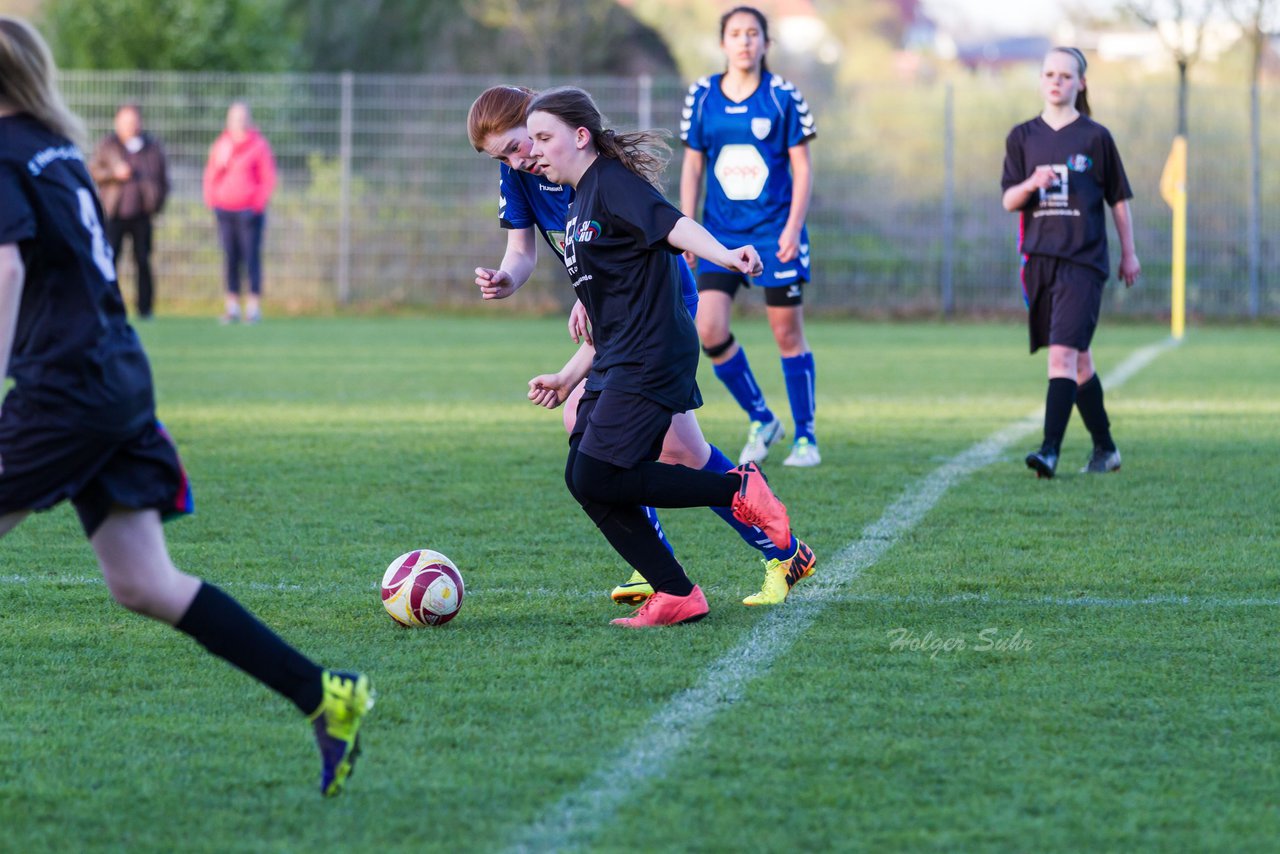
{"points": [[575, 819]]}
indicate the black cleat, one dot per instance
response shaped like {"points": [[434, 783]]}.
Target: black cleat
{"points": [[1101, 462], [1043, 462]]}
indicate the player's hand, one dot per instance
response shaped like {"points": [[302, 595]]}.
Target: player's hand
{"points": [[747, 260], [548, 390], [788, 245], [494, 284], [579, 326], [691, 260], [1130, 270], [1043, 178]]}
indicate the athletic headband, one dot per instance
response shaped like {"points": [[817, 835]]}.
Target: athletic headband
{"points": [[1078, 54]]}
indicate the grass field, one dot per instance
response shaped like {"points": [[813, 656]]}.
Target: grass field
{"points": [[983, 661]]}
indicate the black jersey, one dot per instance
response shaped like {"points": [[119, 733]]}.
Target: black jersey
{"points": [[628, 279], [1068, 219], [74, 355]]}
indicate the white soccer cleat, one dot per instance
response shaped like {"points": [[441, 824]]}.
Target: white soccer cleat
{"points": [[760, 436], [804, 454]]}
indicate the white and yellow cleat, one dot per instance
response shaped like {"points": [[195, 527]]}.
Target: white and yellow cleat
{"points": [[781, 575]]}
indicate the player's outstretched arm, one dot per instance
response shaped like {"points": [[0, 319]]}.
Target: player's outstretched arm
{"points": [[692, 237], [12, 274], [516, 267], [551, 390]]}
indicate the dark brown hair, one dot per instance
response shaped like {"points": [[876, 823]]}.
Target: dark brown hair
{"points": [[644, 152], [759, 16]]}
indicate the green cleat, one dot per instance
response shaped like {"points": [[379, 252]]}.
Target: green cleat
{"points": [[347, 699]]}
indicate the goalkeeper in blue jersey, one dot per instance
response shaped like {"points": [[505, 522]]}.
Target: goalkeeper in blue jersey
{"points": [[747, 132], [530, 204]]}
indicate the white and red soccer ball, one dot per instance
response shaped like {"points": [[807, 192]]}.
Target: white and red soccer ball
{"points": [[422, 588]]}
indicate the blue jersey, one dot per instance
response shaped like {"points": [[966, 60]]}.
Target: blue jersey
{"points": [[526, 200], [747, 145]]}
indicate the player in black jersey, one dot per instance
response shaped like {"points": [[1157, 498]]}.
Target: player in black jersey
{"points": [[622, 240], [79, 424], [1060, 169]]}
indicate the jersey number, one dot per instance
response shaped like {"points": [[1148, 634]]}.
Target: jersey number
{"points": [[89, 218]]}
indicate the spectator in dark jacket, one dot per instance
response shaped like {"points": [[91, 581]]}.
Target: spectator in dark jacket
{"points": [[129, 168]]}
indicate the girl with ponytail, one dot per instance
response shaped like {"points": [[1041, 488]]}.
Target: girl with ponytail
{"points": [[1060, 171]]}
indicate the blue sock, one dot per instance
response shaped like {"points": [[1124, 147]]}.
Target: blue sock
{"points": [[737, 377], [750, 534], [652, 516], [798, 371]]}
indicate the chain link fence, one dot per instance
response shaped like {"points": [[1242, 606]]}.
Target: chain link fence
{"points": [[382, 201]]}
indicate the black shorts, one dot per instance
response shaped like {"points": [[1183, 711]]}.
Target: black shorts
{"points": [[620, 428], [778, 295], [47, 463], [1063, 302]]}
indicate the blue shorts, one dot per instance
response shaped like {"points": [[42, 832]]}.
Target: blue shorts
{"points": [[46, 463], [775, 274]]}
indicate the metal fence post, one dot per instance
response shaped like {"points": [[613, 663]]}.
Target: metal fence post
{"points": [[644, 107], [949, 202], [346, 122], [1254, 236]]}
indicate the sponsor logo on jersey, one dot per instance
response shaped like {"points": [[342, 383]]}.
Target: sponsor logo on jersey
{"points": [[1079, 163], [550, 188], [734, 111], [760, 127], [741, 171], [587, 231], [786, 274]]}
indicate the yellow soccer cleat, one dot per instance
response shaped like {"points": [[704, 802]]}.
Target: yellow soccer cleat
{"points": [[347, 699], [781, 575], [634, 591]]}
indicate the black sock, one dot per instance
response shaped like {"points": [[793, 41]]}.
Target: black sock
{"points": [[222, 626], [1057, 411], [628, 530], [1094, 414]]}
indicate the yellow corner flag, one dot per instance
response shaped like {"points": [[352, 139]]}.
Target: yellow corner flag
{"points": [[1174, 177], [1173, 189]]}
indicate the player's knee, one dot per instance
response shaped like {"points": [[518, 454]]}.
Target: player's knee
{"points": [[715, 351], [134, 596]]}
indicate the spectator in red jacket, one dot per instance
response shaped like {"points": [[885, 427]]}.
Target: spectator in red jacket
{"points": [[238, 181]]}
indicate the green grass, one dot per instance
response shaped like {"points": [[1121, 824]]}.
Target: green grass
{"points": [[1137, 713]]}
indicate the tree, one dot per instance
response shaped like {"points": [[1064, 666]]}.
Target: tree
{"points": [[1180, 25], [183, 35]]}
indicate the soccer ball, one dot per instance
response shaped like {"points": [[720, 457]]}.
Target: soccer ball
{"points": [[422, 588]]}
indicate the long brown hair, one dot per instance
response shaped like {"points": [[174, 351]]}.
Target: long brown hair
{"points": [[1082, 97], [497, 110], [644, 152], [28, 81]]}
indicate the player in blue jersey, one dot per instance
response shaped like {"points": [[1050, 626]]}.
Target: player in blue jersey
{"points": [[79, 423], [530, 204], [747, 131], [1061, 170]]}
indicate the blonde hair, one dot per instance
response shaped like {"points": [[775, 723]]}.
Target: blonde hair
{"points": [[28, 80]]}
